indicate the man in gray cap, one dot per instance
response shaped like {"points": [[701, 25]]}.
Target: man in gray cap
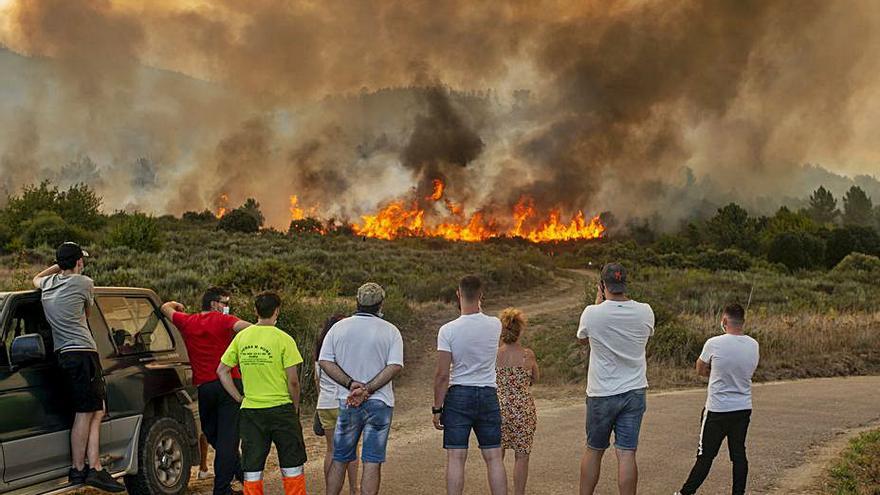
{"points": [[67, 297], [362, 354], [617, 330]]}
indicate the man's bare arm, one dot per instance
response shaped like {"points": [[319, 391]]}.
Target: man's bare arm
{"points": [[241, 325], [383, 377], [441, 377], [293, 385], [169, 308], [225, 374], [703, 368], [52, 270], [336, 373]]}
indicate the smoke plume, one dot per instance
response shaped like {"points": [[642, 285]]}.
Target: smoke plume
{"points": [[650, 109]]}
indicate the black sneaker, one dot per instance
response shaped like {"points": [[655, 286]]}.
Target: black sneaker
{"points": [[77, 476], [103, 481]]}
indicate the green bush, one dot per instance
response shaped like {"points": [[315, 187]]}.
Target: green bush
{"points": [[728, 259], [859, 267], [78, 206], [844, 240], [797, 250], [677, 343], [137, 231], [48, 228], [857, 471], [239, 220]]}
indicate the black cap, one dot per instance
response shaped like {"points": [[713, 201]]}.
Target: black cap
{"points": [[70, 252], [614, 277]]}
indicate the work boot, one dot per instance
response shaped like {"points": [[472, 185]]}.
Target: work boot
{"points": [[103, 481]]}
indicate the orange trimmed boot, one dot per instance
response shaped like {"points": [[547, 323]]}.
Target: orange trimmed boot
{"points": [[253, 487], [294, 481]]}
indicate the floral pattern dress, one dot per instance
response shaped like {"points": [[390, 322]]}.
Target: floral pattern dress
{"points": [[518, 415]]}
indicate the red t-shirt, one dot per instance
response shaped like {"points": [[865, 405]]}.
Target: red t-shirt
{"points": [[206, 335]]}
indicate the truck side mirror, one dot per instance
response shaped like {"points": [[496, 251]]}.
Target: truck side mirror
{"points": [[27, 349]]}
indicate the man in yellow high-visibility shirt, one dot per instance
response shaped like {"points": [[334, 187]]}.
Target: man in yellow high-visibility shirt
{"points": [[268, 359]]}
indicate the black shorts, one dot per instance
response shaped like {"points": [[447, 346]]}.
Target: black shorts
{"points": [[85, 380], [260, 428]]}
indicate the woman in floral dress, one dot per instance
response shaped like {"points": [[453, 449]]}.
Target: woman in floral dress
{"points": [[517, 370]]}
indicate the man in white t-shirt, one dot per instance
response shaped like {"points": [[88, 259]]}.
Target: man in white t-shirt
{"points": [[362, 353], [617, 330], [465, 398], [729, 361]]}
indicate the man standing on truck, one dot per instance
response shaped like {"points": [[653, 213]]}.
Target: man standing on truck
{"points": [[207, 334], [268, 358], [67, 296]]}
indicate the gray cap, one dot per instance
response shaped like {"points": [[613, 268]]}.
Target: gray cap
{"points": [[614, 277], [370, 294]]}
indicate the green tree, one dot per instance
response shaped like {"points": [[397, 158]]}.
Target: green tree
{"points": [[136, 231], [858, 209], [823, 207], [797, 250], [786, 220], [32, 200], [80, 206], [850, 239], [732, 227]]}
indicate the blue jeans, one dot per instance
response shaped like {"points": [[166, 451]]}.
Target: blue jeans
{"points": [[471, 408], [622, 414], [372, 419]]}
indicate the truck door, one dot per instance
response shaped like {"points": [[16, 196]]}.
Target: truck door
{"points": [[35, 419]]}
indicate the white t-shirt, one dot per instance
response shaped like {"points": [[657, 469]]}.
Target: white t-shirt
{"points": [[473, 342], [327, 395], [618, 333], [363, 345], [734, 359]]}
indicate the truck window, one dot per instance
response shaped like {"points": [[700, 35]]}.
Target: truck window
{"points": [[27, 317], [134, 325]]}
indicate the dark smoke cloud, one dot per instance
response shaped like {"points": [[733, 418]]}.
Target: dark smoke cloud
{"points": [[633, 106]]}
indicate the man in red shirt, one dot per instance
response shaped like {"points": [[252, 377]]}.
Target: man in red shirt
{"points": [[207, 335]]}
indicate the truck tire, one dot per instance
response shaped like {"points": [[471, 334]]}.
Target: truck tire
{"points": [[164, 460]]}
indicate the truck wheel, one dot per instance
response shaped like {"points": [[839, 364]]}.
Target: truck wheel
{"points": [[163, 459]]}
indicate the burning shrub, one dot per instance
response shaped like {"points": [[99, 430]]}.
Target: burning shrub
{"points": [[137, 231], [206, 216], [306, 225]]}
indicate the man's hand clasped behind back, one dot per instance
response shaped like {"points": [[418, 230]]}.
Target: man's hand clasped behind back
{"points": [[358, 395]]}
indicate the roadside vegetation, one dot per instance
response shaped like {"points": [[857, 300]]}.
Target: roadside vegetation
{"points": [[857, 470], [811, 274]]}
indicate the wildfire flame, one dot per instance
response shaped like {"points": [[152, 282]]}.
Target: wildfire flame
{"points": [[398, 219], [222, 205]]}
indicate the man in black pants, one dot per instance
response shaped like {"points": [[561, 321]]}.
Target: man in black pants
{"points": [[729, 361], [207, 335]]}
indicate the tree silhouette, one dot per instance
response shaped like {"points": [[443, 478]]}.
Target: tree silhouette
{"points": [[823, 206], [858, 209]]}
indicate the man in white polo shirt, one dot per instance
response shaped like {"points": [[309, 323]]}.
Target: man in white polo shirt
{"points": [[362, 353], [729, 361], [617, 330], [465, 399]]}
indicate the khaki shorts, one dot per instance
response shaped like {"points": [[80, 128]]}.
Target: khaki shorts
{"points": [[328, 419]]}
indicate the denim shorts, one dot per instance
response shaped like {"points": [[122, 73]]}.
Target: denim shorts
{"points": [[372, 419], [622, 414], [471, 408]]}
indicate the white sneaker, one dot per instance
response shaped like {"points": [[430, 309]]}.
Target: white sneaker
{"points": [[203, 475]]}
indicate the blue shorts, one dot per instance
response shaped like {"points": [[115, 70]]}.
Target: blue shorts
{"points": [[471, 408], [621, 413], [372, 419]]}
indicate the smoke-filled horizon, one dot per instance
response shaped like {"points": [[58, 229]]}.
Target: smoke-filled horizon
{"points": [[646, 109]]}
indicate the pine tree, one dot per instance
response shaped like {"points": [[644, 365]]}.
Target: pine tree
{"points": [[858, 209], [823, 206]]}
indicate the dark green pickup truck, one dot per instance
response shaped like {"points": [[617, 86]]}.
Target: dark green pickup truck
{"points": [[150, 433]]}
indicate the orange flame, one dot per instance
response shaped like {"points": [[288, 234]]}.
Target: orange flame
{"points": [[296, 213], [222, 205], [439, 186], [396, 220]]}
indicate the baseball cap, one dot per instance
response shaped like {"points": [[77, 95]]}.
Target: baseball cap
{"points": [[614, 277], [70, 251], [370, 294]]}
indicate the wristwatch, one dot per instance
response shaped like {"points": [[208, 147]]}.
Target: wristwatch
{"points": [[437, 410]]}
